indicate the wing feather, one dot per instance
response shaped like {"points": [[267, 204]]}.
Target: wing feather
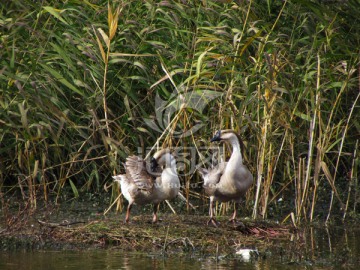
{"points": [[212, 177], [137, 171]]}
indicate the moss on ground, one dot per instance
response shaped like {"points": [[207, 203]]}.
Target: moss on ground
{"points": [[172, 234]]}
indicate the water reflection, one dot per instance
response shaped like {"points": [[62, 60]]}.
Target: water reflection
{"points": [[323, 247], [313, 248]]}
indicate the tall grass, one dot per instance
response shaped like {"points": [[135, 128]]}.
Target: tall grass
{"points": [[79, 78]]}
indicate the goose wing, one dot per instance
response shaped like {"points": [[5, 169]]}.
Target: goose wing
{"points": [[212, 177], [136, 170], [215, 174]]}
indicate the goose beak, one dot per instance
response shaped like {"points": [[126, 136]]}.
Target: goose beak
{"points": [[217, 137]]}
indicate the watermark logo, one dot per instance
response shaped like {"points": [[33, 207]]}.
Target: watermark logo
{"points": [[166, 110], [189, 159]]}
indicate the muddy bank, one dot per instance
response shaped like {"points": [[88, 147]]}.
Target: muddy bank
{"points": [[56, 229], [84, 227]]}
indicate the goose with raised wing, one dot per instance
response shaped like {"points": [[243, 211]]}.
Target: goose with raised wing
{"points": [[149, 182], [228, 181]]}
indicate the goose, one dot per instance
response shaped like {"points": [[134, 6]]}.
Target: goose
{"points": [[146, 183], [228, 181]]}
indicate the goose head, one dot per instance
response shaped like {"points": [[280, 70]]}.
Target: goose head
{"points": [[230, 136], [163, 157], [225, 135]]}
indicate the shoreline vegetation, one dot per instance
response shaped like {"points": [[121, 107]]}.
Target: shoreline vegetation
{"points": [[85, 84]]}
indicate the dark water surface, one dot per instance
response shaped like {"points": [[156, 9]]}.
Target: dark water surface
{"points": [[321, 248], [119, 260]]}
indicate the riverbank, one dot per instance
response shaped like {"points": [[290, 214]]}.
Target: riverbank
{"points": [[173, 233]]}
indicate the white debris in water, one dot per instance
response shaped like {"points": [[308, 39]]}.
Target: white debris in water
{"points": [[247, 253]]}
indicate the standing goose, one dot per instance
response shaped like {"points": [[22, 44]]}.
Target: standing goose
{"points": [[142, 186], [228, 181]]}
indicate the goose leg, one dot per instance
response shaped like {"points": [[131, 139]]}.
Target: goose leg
{"points": [[211, 212], [233, 217], [127, 217], [156, 207]]}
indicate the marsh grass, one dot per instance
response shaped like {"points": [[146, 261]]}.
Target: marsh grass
{"points": [[78, 80]]}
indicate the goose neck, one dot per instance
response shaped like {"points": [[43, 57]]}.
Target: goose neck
{"points": [[236, 150]]}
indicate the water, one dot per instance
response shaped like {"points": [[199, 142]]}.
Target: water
{"points": [[117, 260], [315, 248]]}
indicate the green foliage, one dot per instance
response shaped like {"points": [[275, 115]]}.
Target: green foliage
{"points": [[77, 83]]}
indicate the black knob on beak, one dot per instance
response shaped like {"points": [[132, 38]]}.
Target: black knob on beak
{"points": [[217, 137], [153, 164]]}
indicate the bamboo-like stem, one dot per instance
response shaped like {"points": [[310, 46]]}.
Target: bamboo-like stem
{"points": [[312, 139], [351, 180], [267, 182], [355, 174], [237, 52], [276, 163], [113, 17], [261, 161], [264, 132], [316, 181], [319, 154], [300, 187], [333, 192]]}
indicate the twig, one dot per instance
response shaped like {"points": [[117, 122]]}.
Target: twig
{"points": [[217, 253], [107, 210], [171, 208], [184, 199], [65, 223], [167, 233]]}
